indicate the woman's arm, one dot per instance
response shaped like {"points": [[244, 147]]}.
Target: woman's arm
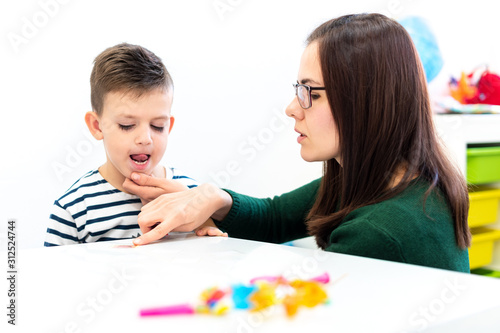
{"points": [[276, 220]]}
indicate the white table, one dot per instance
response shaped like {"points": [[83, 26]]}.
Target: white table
{"points": [[101, 288]]}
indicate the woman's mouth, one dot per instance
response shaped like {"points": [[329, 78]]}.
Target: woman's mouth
{"points": [[301, 137]]}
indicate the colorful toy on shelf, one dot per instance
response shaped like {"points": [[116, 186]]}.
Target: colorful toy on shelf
{"points": [[259, 294], [488, 90], [462, 89], [485, 91]]}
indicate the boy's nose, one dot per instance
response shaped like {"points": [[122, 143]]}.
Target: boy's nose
{"points": [[144, 137]]}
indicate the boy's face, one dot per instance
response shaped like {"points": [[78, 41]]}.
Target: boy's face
{"points": [[135, 132]]}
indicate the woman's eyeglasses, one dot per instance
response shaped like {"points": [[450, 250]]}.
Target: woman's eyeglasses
{"points": [[303, 93]]}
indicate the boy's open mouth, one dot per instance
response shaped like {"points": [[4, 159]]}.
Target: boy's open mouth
{"points": [[140, 158]]}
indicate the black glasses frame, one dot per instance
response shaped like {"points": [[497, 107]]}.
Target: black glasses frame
{"points": [[308, 88]]}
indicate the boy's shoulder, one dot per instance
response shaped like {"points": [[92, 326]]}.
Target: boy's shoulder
{"points": [[176, 174], [86, 183]]}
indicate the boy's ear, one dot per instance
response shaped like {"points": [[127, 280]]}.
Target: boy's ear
{"points": [[172, 120], [92, 121]]}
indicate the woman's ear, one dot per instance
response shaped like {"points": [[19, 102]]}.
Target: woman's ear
{"points": [[172, 120], [92, 121]]}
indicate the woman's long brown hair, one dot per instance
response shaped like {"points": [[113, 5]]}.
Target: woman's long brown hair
{"points": [[377, 91]]}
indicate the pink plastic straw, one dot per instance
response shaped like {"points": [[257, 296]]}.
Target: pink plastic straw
{"points": [[270, 279], [323, 278], [180, 309]]}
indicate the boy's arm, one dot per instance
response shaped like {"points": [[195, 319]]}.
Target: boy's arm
{"points": [[62, 228]]}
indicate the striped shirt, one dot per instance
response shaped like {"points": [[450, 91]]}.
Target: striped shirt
{"points": [[93, 210]]}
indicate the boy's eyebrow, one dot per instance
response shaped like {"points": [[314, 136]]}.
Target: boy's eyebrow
{"points": [[162, 118], [133, 117]]}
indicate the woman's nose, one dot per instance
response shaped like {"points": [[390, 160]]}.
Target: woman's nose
{"points": [[294, 110]]}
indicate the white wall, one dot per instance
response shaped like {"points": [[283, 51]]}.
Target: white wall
{"points": [[232, 61]]}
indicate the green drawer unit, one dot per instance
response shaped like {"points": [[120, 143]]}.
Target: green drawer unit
{"points": [[483, 165]]}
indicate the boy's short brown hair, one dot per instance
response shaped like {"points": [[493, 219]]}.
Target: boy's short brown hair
{"points": [[128, 68]]}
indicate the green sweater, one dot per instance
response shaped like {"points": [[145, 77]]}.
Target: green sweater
{"points": [[397, 229]]}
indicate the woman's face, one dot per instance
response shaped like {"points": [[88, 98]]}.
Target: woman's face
{"points": [[318, 133]]}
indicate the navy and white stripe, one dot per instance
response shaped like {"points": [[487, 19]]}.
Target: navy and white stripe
{"points": [[93, 210]]}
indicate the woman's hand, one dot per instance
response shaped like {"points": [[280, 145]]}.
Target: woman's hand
{"points": [[149, 188], [182, 211]]}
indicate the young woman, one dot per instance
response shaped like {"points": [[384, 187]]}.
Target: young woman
{"points": [[388, 190]]}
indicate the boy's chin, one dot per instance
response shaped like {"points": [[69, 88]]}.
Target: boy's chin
{"points": [[147, 173], [129, 176]]}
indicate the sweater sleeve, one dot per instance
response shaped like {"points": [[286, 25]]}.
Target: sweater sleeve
{"points": [[275, 220]]}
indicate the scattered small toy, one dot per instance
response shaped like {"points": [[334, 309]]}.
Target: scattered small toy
{"points": [[262, 292]]}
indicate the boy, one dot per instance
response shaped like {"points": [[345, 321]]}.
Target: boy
{"points": [[131, 95]]}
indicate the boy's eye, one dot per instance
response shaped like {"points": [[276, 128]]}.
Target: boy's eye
{"points": [[125, 127], [157, 128]]}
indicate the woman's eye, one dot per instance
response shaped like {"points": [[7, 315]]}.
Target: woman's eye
{"points": [[315, 96], [125, 127], [157, 128]]}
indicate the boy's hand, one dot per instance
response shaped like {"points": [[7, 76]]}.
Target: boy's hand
{"points": [[209, 229], [149, 188]]}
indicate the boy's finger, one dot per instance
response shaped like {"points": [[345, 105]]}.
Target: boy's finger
{"points": [[210, 231], [202, 231]]}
